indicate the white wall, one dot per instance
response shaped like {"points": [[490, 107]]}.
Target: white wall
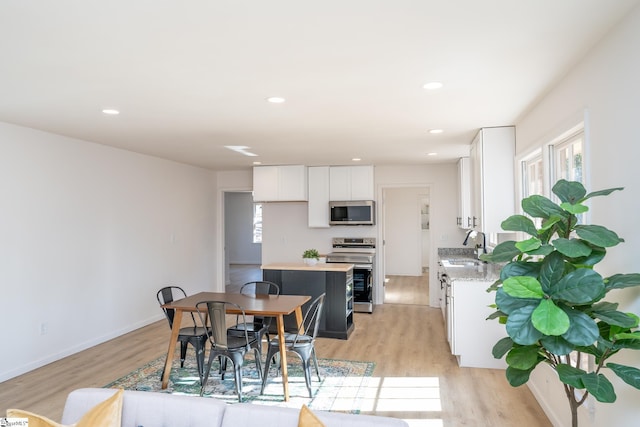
{"points": [[88, 235], [606, 86]]}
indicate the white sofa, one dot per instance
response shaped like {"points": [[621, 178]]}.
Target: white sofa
{"points": [[148, 409]]}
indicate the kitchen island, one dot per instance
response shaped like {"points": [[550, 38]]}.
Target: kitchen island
{"points": [[334, 279]]}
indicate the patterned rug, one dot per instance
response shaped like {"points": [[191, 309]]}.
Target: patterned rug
{"points": [[343, 387]]}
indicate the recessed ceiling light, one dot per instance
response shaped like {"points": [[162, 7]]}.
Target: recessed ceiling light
{"points": [[257, 163], [111, 111], [356, 159], [275, 100], [242, 149], [434, 131], [432, 154], [433, 85]]}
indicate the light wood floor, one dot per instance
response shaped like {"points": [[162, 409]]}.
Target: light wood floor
{"points": [[420, 380]]}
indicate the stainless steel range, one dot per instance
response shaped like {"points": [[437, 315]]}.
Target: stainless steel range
{"points": [[361, 252]]}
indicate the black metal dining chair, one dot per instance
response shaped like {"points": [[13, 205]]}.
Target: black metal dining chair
{"points": [[225, 345], [193, 334], [256, 325], [301, 343]]}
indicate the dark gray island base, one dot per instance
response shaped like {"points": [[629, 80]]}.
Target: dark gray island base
{"points": [[336, 280]]}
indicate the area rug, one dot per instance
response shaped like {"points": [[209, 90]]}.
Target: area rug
{"points": [[343, 386]]}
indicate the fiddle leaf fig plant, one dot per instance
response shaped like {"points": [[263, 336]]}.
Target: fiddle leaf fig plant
{"points": [[553, 302]]}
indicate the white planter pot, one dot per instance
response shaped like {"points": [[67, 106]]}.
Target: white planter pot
{"points": [[310, 261]]}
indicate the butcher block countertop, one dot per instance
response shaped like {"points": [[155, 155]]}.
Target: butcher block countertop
{"points": [[321, 266]]}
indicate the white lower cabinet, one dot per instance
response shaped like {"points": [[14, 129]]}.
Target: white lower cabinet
{"points": [[471, 336]]}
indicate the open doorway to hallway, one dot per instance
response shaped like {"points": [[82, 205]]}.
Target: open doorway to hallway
{"points": [[407, 242], [242, 243]]}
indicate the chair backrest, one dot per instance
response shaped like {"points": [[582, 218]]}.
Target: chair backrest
{"points": [[311, 320], [260, 287], [165, 296], [216, 312]]}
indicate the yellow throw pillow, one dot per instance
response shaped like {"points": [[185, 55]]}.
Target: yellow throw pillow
{"points": [[307, 418], [104, 414]]}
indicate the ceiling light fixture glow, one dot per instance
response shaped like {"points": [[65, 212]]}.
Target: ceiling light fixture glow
{"points": [[432, 154], [435, 131], [111, 112], [356, 159], [433, 85], [275, 100], [242, 149]]}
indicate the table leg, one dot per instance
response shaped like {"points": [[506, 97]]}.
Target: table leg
{"points": [[283, 356], [175, 331]]}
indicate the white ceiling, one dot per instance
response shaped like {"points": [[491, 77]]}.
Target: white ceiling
{"points": [[190, 77]]}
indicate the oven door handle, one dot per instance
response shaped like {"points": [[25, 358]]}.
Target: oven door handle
{"points": [[363, 267]]}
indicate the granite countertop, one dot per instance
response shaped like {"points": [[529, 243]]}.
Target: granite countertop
{"points": [[321, 266], [483, 272]]}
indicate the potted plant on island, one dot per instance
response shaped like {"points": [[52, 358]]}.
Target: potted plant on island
{"points": [[552, 301], [310, 257]]}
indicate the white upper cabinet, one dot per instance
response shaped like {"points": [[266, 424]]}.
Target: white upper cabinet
{"points": [[280, 183], [464, 193], [493, 178], [318, 196], [351, 183]]}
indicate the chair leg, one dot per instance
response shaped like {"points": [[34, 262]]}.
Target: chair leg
{"points": [[183, 352], [270, 355], [199, 346], [258, 362], [206, 371], [238, 359], [315, 362]]}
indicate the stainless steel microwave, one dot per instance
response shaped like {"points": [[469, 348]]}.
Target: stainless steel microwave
{"points": [[352, 212]]}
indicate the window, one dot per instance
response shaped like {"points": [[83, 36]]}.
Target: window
{"points": [[533, 174], [257, 223], [568, 158]]}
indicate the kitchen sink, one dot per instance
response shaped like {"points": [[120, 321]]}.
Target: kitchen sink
{"points": [[447, 263]]}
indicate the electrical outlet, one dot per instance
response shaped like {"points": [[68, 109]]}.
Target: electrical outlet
{"points": [[44, 328]]}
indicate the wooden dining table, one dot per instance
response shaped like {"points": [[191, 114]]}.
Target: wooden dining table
{"points": [[276, 306]]}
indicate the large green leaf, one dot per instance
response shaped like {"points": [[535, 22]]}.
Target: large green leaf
{"points": [[551, 270], [571, 248], [570, 375], [550, 222], [627, 374], [508, 304], [544, 250], [620, 281], [502, 347], [550, 319], [520, 328], [578, 287], [583, 330], [598, 235], [597, 254], [557, 345], [540, 207], [523, 358], [520, 223], [517, 377], [633, 344], [569, 191], [503, 252], [523, 287], [618, 318], [520, 268], [574, 209], [602, 192], [599, 387], [529, 245]]}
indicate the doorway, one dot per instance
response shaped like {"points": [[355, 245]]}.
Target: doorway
{"points": [[407, 245], [242, 243]]}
